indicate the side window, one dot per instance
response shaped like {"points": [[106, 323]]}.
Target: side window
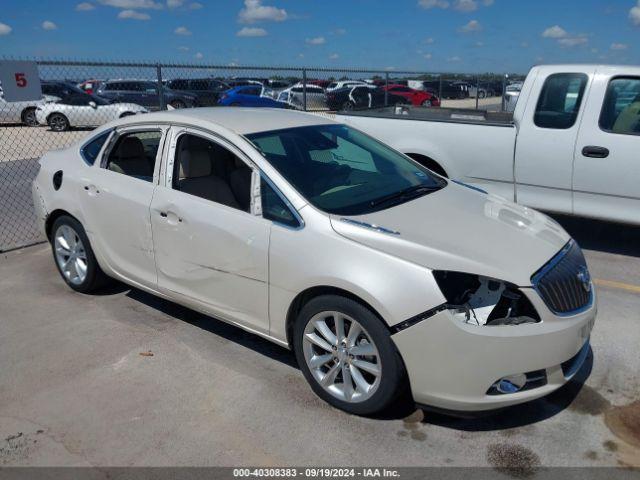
{"points": [[77, 100], [208, 170], [91, 150], [134, 154], [560, 100], [274, 208], [621, 109], [178, 85]]}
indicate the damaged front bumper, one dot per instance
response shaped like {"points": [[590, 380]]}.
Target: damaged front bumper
{"points": [[455, 365]]}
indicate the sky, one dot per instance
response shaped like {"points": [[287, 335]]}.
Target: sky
{"points": [[427, 35]]}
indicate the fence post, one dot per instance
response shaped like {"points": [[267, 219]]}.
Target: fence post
{"points": [[386, 87], [477, 92], [504, 92], [440, 88], [163, 105], [304, 89]]}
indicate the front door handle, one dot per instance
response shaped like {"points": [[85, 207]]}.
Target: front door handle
{"points": [[595, 152]]}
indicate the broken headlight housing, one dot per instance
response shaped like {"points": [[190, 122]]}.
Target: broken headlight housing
{"points": [[479, 300]]}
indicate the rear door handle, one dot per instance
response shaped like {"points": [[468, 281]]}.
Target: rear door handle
{"points": [[595, 152], [171, 217]]}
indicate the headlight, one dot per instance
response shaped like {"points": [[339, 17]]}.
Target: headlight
{"points": [[479, 300]]}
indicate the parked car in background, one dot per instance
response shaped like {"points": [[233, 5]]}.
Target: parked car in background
{"points": [[383, 277], [294, 96], [239, 82], [248, 96], [361, 96], [206, 90], [570, 147], [145, 93], [80, 109], [89, 86], [343, 84], [272, 88], [21, 112], [415, 97], [450, 89]]}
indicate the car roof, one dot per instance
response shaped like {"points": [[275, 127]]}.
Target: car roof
{"points": [[240, 120]]}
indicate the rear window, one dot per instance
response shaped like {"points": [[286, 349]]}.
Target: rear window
{"points": [[91, 150], [621, 108]]}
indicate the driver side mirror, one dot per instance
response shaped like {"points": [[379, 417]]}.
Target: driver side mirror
{"points": [[93, 105]]}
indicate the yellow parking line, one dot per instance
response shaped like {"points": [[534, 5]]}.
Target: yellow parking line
{"points": [[618, 285]]}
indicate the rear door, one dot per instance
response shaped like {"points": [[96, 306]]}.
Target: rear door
{"points": [[606, 179], [546, 138]]}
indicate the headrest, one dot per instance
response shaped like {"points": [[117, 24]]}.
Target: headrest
{"points": [[130, 147], [194, 163]]}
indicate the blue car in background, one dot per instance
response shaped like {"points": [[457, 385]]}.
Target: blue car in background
{"points": [[248, 96]]}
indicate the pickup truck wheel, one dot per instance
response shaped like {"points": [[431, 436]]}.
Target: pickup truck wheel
{"points": [[29, 117], [347, 355], [58, 122], [74, 257]]}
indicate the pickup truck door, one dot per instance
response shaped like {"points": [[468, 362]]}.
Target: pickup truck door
{"points": [[607, 164], [547, 133]]}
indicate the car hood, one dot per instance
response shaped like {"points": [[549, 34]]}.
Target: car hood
{"points": [[459, 229]]}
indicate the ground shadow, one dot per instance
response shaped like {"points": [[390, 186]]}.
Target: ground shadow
{"points": [[602, 236]]}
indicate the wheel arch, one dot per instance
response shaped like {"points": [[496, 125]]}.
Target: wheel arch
{"points": [[309, 294], [25, 110], [53, 216]]}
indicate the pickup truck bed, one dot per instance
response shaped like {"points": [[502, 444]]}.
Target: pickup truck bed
{"points": [[448, 115]]}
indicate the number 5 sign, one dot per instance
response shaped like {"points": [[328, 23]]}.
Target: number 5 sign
{"points": [[20, 81]]}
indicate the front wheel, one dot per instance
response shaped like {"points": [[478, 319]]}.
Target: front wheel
{"points": [[347, 355], [74, 257], [426, 103], [58, 122]]}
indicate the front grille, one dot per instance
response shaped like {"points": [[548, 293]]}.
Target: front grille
{"points": [[564, 282]]}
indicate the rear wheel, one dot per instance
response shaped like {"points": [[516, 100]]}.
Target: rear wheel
{"points": [[426, 103], [347, 355], [58, 122], [74, 257], [349, 105], [29, 117], [178, 104]]}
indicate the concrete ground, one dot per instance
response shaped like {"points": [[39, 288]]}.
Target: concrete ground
{"points": [[122, 378]]}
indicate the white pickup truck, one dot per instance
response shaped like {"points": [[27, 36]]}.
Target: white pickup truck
{"points": [[571, 146]]}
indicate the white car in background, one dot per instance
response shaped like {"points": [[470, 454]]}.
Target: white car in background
{"points": [[372, 268], [83, 110], [345, 83], [21, 112], [294, 96]]}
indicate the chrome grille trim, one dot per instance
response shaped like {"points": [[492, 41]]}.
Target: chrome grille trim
{"points": [[561, 282]]}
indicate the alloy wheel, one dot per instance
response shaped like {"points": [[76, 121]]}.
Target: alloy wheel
{"points": [[342, 356], [70, 254]]}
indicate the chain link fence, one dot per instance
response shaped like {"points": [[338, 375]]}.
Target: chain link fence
{"points": [[79, 96]]}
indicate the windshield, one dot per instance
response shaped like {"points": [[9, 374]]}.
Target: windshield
{"points": [[343, 171]]}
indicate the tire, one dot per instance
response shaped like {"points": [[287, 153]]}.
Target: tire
{"points": [[29, 117], [482, 95], [426, 103], [348, 105], [178, 104], [58, 122], [374, 338], [68, 242], [235, 104]]}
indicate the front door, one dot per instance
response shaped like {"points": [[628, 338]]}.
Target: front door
{"points": [[117, 195], [606, 179], [210, 247], [546, 139]]}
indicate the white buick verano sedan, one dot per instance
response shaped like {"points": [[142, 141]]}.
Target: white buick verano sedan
{"points": [[378, 273]]}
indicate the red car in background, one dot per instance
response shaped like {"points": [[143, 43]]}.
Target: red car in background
{"points": [[416, 97]]}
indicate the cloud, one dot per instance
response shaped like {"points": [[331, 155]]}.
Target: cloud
{"points": [[569, 42], [634, 14], [427, 4], [619, 46], [5, 29], [175, 3], [85, 7], [254, 12], [251, 32], [524, 45], [487, 3], [195, 6], [133, 15], [555, 32], [479, 44], [49, 25], [132, 4], [183, 49], [334, 56], [340, 31], [182, 31], [454, 59], [315, 41], [198, 56], [465, 5], [471, 27], [427, 56]]}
